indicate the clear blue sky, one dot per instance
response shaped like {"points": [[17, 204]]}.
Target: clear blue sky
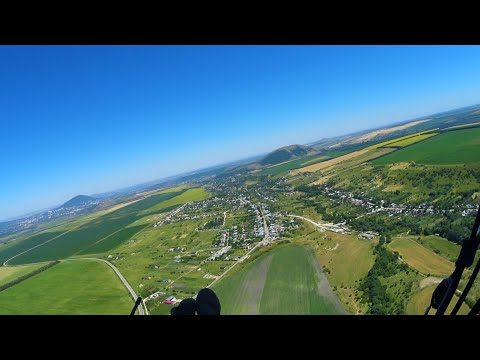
{"points": [[88, 119]]}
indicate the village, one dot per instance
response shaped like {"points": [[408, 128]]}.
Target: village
{"points": [[392, 208]]}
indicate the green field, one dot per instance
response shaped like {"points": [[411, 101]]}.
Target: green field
{"points": [[421, 258], [286, 280], [419, 302], [391, 141], [71, 287], [453, 147], [302, 162], [410, 140], [195, 194], [438, 245], [293, 164], [344, 275], [26, 244], [10, 273], [113, 241], [92, 233]]}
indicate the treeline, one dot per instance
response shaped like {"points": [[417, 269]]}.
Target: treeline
{"points": [[29, 275], [382, 223], [453, 231], [374, 293]]}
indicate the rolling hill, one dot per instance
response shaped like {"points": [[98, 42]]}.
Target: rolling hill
{"points": [[287, 153], [78, 201]]}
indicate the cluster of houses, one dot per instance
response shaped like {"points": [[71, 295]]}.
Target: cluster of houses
{"points": [[154, 296], [170, 216], [219, 253], [367, 235], [392, 208]]}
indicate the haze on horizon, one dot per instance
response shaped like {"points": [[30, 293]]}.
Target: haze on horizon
{"points": [[90, 119]]}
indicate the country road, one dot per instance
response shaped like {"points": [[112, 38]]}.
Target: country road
{"points": [[142, 309], [266, 236], [325, 226], [224, 217]]}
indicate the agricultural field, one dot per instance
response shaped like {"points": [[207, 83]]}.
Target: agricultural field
{"points": [[325, 164], [112, 241], [420, 258], [392, 141], [451, 147], [438, 245], [342, 163], [71, 287], [419, 302], [10, 273], [102, 233], [293, 164], [344, 276], [411, 140], [285, 280], [195, 194], [302, 162], [20, 246]]}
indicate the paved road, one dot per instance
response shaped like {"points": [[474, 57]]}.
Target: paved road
{"points": [[142, 309], [265, 226]]}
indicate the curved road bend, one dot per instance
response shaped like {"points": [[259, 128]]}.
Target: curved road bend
{"points": [[142, 309]]}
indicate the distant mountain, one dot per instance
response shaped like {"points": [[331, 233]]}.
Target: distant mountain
{"points": [[78, 201], [287, 153]]}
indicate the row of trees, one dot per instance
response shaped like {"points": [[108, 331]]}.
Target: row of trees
{"points": [[29, 275]]}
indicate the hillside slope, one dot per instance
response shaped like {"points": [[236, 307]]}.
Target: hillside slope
{"points": [[287, 153], [78, 200]]}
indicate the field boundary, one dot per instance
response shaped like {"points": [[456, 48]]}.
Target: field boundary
{"points": [[28, 275]]}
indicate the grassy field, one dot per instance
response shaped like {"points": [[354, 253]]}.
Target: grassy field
{"points": [[410, 140], [419, 302], [332, 250], [454, 147], [392, 141], [421, 258], [9, 273], [285, 280], [345, 162], [26, 244], [303, 162], [113, 241], [195, 194], [78, 239], [438, 245], [71, 287]]}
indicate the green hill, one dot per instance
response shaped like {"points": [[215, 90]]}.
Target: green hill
{"points": [[78, 200], [287, 153]]}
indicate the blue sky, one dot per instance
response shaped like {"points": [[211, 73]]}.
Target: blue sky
{"points": [[88, 119]]}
